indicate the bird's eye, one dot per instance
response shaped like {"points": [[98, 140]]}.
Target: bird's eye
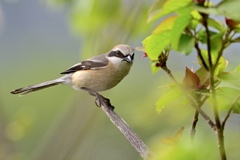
{"points": [[118, 54]]}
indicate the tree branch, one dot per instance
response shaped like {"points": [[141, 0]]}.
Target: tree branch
{"points": [[205, 24], [195, 120], [200, 56], [121, 125], [229, 112]]}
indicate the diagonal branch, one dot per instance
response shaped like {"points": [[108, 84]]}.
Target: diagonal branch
{"points": [[229, 112], [195, 120], [121, 125], [200, 56]]}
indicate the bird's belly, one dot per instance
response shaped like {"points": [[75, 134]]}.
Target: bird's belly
{"points": [[95, 81]]}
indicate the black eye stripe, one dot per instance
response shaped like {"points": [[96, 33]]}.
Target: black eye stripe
{"points": [[116, 53]]}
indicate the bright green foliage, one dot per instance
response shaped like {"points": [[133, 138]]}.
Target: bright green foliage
{"points": [[216, 24], [226, 96], [227, 8], [164, 7], [232, 78], [182, 32], [185, 44], [170, 96], [156, 43], [189, 26], [179, 26]]}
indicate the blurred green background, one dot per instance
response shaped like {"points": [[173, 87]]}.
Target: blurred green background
{"points": [[41, 38]]}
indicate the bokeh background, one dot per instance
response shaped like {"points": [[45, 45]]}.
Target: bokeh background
{"points": [[41, 38]]}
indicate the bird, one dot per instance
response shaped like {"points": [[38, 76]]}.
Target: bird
{"points": [[99, 73]]}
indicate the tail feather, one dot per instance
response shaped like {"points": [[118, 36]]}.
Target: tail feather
{"points": [[32, 88]]}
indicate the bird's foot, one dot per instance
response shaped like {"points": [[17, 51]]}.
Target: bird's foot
{"points": [[100, 100]]}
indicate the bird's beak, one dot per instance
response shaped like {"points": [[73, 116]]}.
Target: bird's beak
{"points": [[129, 58]]}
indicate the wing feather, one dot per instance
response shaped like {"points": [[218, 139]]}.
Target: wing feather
{"points": [[94, 63]]}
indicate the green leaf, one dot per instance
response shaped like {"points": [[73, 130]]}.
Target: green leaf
{"points": [[155, 44], [172, 94], [236, 108], [226, 96], [202, 37], [196, 19], [186, 44], [166, 24], [155, 9], [232, 78], [216, 44], [215, 24], [229, 9], [222, 65], [164, 7], [180, 24], [226, 8]]}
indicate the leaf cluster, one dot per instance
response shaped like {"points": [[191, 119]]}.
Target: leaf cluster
{"points": [[183, 29]]}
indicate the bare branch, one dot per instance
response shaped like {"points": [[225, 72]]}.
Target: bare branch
{"points": [[122, 126], [195, 120], [229, 112], [200, 56]]}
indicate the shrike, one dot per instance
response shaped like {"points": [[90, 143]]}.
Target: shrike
{"points": [[98, 73]]}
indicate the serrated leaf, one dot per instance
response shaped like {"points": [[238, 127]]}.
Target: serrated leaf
{"points": [[155, 44], [172, 94], [180, 24], [186, 44], [229, 9], [166, 24], [202, 37], [216, 44], [222, 63], [226, 96], [226, 8], [155, 8], [236, 108], [231, 78], [215, 24], [167, 7], [196, 19]]}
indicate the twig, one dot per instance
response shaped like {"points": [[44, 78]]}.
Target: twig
{"points": [[193, 127], [229, 112], [131, 136], [200, 56], [195, 120], [205, 24]]}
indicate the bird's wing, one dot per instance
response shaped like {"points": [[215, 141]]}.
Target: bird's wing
{"points": [[93, 63]]}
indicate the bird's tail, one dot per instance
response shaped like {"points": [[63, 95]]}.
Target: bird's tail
{"points": [[32, 88]]}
